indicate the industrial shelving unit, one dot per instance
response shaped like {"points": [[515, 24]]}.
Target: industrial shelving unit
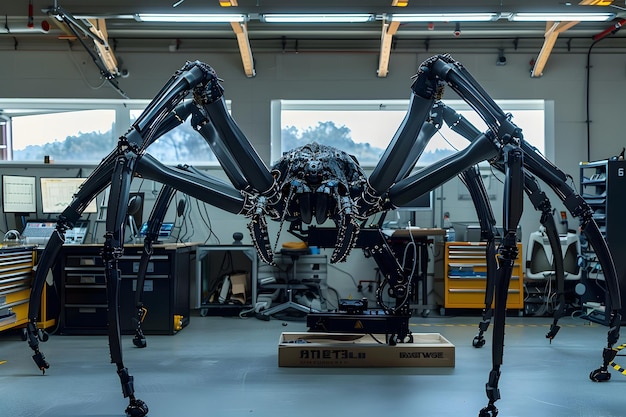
{"points": [[602, 185]]}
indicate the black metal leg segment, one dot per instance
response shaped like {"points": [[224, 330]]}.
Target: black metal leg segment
{"points": [[577, 206], [476, 187], [112, 251], [94, 184], [154, 225], [513, 200]]}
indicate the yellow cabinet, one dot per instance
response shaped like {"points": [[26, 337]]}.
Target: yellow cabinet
{"points": [[16, 273], [465, 277]]}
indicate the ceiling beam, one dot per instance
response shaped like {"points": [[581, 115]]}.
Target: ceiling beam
{"points": [[99, 28], [241, 30], [389, 29], [553, 29]]}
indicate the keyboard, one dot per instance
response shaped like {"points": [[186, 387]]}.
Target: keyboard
{"points": [[38, 229], [39, 232]]}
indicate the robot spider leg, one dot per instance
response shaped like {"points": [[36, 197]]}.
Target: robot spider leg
{"points": [[93, 185], [409, 140], [476, 187], [112, 251], [578, 207], [242, 164], [540, 202], [507, 253], [500, 124], [507, 139], [152, 234]]}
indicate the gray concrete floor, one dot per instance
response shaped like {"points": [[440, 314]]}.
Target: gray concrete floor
{"points": [[227, 367]]}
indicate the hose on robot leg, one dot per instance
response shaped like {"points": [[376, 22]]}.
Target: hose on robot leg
{"points": [[139, 339]]}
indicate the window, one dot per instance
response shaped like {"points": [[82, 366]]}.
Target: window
{"points": [[87, 131], [364, 128], [182, 145], [84, 135]]}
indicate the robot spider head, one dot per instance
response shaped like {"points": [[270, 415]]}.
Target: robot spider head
{"points": [[317, 183]]}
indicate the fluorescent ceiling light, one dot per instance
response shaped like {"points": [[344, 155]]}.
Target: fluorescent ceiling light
{"points": [[192, 18], [318, 18], [444, 17], [561, 17]]}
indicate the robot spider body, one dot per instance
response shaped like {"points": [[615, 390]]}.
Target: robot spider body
{"points": [[322, 183], [319, 182]]}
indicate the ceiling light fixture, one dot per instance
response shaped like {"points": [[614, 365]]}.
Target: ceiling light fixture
{"points": [[318, 18], [561, 17], [443, 17], [192, 18]]}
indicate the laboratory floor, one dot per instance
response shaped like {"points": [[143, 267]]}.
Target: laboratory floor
{"points": [[227, 367]]}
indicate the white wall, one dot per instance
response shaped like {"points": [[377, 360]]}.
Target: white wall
{"points": [[65, 74]]}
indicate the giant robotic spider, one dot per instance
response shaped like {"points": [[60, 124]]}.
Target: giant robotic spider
{"points": [[321, 183]]}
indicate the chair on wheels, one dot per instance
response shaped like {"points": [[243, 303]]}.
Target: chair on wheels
{"points": [[541, 291], [539, 256], [291, 285]]}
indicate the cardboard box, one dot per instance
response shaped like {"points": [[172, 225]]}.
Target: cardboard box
{"points": [[239, 287], [319, 350]]}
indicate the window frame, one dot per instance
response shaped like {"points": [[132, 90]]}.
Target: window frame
{"points": [[122, 107], [509, 106]]}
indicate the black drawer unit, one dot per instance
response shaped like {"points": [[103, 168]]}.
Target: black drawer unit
{"points": [[80, 272]]}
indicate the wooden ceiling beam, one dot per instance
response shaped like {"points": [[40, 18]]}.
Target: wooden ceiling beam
{"points": [[99, 28], [389, 29], [241, 31], [553, 30]]}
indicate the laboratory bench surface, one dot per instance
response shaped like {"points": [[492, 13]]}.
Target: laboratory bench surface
{"points": [[227, 367]]}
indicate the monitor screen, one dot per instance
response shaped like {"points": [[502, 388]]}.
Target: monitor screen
{"points": [[57, 194], [423, 202], [165, 231], [18, 194]]}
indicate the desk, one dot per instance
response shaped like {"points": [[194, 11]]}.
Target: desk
{"points": [[213, 263], [421, 237]]}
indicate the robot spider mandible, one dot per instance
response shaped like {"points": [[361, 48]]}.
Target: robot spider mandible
{"points": [[325, 183]]}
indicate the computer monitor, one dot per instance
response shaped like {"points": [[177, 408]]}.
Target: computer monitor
{"points": [[423, 202], [18, 194], [164, 232], [58, 193]]}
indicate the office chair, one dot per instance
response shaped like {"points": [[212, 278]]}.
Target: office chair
{"points": [[539, 257], [291, 285], [541, 293]]}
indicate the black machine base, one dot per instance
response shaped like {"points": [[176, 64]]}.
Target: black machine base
{"points": [[368, 322]]}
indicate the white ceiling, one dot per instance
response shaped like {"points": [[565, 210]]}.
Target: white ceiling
{"points": [[125, 32]]}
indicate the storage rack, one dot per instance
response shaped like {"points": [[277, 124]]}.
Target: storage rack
{"points": [[602, 185]]}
